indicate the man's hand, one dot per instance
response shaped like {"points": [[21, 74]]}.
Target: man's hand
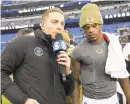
{"points": [[129, 57], [125, 85], [31, 101], [64, 59]]}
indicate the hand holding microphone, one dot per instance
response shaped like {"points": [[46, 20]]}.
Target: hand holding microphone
{"points": [[31, 101], [60, 47], [63, 59]]}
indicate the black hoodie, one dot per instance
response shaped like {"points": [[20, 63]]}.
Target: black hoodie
{"points": [[36, 72]]}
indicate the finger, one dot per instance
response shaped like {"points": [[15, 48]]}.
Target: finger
{"points": [[62, 52], [62, 63], [35, 102], [63, 59], [62, 55]]}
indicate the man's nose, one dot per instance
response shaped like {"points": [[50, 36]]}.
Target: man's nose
{"points": [[60, 27]]}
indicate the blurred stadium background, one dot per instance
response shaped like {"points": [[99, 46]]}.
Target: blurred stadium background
{"points": [[17, 14]]}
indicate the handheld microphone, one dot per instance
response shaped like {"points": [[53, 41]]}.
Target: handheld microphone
{"points": [[60, 45]]}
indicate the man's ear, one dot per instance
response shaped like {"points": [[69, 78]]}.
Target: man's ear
{"points": [[41, 24]]}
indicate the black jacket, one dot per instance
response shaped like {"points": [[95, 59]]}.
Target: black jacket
{"points": [[36, 73]]}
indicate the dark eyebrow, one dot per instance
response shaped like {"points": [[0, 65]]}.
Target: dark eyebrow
{"points": [[57, 21], [54, 20]]}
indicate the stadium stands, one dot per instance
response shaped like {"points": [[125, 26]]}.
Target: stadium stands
{"points": [[13, 19]]}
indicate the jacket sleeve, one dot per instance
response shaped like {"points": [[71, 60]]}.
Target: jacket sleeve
{"points": [[69, 84], [11, 57]]}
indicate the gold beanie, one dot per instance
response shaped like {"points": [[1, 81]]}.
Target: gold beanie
{"points": [[90, 13]]}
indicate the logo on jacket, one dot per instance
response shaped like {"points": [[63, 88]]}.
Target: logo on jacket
{"points": [[38, 51]]}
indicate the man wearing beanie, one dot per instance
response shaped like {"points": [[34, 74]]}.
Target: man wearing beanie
{"points": [[91, 61]]}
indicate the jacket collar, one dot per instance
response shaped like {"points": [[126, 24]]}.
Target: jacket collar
{"points": [[40, 34]]}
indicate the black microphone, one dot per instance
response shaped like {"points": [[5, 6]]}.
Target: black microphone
{"points": [[60, 45]]}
